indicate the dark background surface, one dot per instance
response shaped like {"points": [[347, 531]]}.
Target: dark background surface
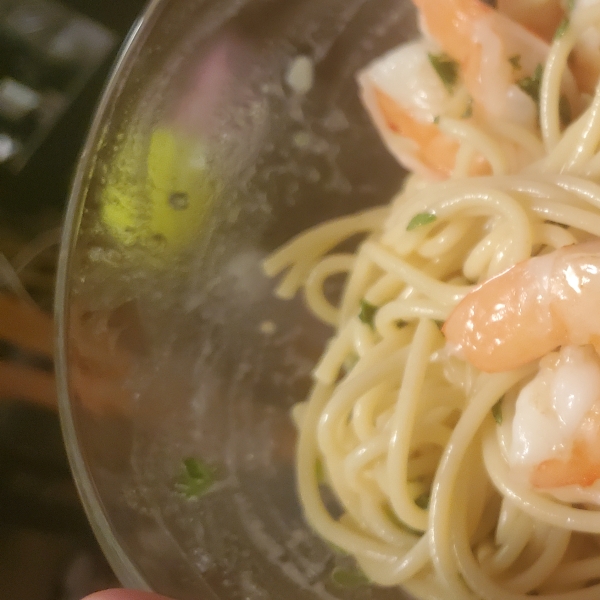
{"points": [[39, 191], [47, 550]]}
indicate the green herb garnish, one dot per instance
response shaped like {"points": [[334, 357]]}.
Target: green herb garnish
{"points": [[531, 84], [349, 578], [422, 501], [515, 61], [436, 120], [196, 478], [367, 313], [446, 68], [564, 110], [497, 412], [420, 220], [564, 24], [562, 28]]}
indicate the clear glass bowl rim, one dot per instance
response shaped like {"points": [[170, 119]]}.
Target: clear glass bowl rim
{"points": [[123, 567]]}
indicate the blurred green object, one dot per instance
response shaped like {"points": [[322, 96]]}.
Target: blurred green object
{"points": [[166, 207]]}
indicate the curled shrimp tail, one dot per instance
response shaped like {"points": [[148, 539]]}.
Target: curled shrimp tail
{"points": [[496, 328], [529, 310], [418, 146]]}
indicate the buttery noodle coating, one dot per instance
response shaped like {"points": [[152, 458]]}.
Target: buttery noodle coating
{"points": [[466, 459]]}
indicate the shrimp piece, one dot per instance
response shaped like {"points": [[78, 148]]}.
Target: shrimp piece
{"points": [[555, 441], [585, 61], [529, 310], [482, 40], [432, 149], [542, 17], [404, 95], [585, 58]]}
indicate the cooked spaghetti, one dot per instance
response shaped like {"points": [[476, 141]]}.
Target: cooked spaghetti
{"points": [[456, 480]]}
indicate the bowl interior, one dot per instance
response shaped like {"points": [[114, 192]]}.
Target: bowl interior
{"points": [[203, 159]]}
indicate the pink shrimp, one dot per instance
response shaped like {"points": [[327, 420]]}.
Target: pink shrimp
{"points": [[530, 309], [555, 439], [542, 17], [432, 151], [581, 467], [540, 305], [585, 64], [482, 40], [405, 93], [585, 57], [453, 23]]}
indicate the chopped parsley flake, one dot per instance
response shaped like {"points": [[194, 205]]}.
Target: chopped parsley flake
{"points": [[196, 478], [367, 313], [515, 61], [419, 220], [564, 110], [446, 68], [349, 578], [436, 120], [422, 501], [562, 28], [497, 412], [531, 84]]}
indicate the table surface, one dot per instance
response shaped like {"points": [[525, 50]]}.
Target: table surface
{"points": [[47, 550]]}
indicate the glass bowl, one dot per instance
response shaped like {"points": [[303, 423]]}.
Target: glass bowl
{"points": [[227, 127]]}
